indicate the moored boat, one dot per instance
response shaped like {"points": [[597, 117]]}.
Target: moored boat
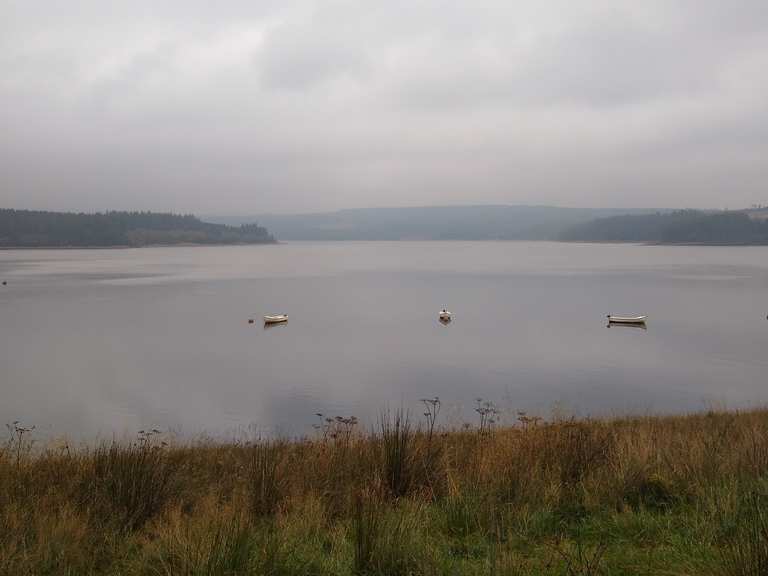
{"points": [[445, 315], [627, 319], [275, 319]]}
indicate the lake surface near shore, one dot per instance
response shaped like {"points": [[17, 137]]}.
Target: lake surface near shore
{"points": [[103, 343]]}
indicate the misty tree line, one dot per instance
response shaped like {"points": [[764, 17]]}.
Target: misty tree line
{"points": [[679, 227], [26, 228]]}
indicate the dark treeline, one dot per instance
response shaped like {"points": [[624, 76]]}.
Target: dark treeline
{"points": [[26, 228], [680, 227]]}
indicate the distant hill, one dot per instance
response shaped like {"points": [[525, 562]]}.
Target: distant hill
{"points": [[430, 223], [27, 228], [679, 227]]}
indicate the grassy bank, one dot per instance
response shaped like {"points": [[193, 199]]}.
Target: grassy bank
{"points": [[650, 495]]}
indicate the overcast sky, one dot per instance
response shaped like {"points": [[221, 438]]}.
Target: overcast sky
{"points": [[252, 106]]}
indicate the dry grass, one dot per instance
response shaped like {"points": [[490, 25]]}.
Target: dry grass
{"points": [[673, 494]]}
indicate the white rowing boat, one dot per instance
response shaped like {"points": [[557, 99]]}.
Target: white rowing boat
{"points": [[445, 315], [627, 319], [276, 319]]}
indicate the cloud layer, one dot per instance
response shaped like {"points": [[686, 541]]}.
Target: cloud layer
{"points": [[246, 106]]}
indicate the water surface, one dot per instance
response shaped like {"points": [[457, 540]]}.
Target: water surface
{"points": [[102, 342]]}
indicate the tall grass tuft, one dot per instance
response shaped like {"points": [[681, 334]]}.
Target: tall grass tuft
{"points": [[580, 559], [397, 445], [264, 484], [581, 448], [746, 551], [387, 541], [128, 484], [368, 529], [650, 491], [224, 548]]}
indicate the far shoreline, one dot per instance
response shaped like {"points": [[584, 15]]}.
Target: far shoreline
{"points": [[129, 247], [388, 240]]}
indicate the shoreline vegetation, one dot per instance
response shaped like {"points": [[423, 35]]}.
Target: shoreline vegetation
{"points": [[509, 222], [682, 227], [37, 229], [680, 495]]}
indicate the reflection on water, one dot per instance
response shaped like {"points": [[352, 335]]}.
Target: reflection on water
{"points": [[114, 341], [274, 325], [641, 326]]}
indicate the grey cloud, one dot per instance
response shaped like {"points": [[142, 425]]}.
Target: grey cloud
{"points": [[616, 65], [304, 69], [608, 64], [734, 19], [299, 60], [303, 105]]}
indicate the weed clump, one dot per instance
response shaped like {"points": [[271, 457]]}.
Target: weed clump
{"points": [[265, 485], [397, 439], [128, 484]]}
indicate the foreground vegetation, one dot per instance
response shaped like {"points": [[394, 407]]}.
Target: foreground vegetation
{"points": [[640, 495], [35, 229]]}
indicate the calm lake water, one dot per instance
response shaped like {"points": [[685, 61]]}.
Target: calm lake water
{"points": [[106, 342]]}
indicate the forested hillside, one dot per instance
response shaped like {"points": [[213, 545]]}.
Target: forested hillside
{"points": [[680, 227], [26, 228]]}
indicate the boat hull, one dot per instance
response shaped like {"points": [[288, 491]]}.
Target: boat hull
{"points": [[627, 319], [275, 319]]}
